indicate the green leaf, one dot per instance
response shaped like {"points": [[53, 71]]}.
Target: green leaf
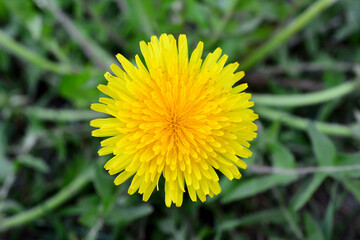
{"points": [[251, 187], [169, 226], [348, 160], [271, 215], [281, 156], [272, 133], [23, 11], [273, 237], [352, 186], [323, 147], [306, 191], [33, 162], [10, 206], [104, 185], [123, 215], [6, 167], [313, 230], [90, 210], [292, 219], [335, 202], [35, 26], [80, 88]]}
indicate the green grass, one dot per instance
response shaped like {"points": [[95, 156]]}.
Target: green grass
{"points": [[302, 62]]}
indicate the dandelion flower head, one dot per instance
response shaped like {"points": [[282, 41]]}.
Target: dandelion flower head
{"points": [[175, 116]]}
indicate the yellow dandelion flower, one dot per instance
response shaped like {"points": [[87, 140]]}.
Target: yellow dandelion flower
{"points": [[176, 118]]}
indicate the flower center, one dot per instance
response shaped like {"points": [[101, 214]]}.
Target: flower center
{"points": [[174, 121]]}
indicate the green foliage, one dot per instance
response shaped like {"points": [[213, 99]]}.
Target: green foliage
{"points": [[270, 216], [255, 186], [6, 168], [301, 57], [125, 215], [324, 148], [306, 190], [103, 186], [37, 164], [313, 230], [80, 89], [324, 151]]}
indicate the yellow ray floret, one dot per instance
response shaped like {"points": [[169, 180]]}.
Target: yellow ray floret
{"points": [[175, 116]]}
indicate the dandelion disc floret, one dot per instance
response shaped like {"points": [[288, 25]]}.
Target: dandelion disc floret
{"points": [[175, 117]]}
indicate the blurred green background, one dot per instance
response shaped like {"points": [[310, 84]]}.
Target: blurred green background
{"points": [[302, 65]]}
